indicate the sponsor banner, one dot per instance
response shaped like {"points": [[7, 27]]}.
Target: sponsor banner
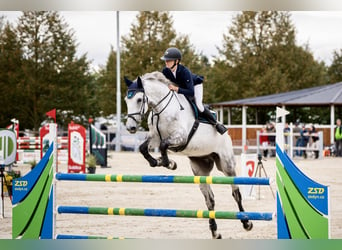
{"points": [[302, 203], [8, 146], [248, 169], [31, 213], [305, 201], [77, 148]]}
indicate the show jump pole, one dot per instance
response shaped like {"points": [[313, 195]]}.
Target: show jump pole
{"points": [[302, 204]]}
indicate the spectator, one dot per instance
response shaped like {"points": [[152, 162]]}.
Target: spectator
{"points": [[263, 139], [304, 138], [338, 138], [286, 136], [286, 128], [313, 140], [296, 132], [271, 138]]}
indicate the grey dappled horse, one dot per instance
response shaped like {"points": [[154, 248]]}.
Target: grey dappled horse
{"points": [[170, 122]]}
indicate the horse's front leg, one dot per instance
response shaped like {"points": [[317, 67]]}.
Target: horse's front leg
{"points": [[143, 148], [164, 160]]}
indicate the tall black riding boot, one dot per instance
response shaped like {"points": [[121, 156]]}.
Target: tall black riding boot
{"points": [[219, 127]]}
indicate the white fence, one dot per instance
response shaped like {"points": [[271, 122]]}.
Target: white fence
{"points": [[290, 144]]}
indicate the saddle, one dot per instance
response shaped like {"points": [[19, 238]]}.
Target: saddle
{"points": [[197, 114]]}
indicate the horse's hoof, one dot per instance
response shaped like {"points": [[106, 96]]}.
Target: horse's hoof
{"points": [[217, 237], [172, 165], [153, 163], [159, 162], [248, 225]]}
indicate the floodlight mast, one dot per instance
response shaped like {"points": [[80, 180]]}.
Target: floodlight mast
{"points": [[118, 89]]}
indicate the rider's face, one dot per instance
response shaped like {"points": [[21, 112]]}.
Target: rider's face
{"points": [[169, 64]]}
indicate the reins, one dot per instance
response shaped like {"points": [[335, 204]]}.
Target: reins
{"points": [[161, 111], [142, 109], [161, 102]]}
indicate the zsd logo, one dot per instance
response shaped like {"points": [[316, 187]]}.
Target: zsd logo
{"points": [[312, 190], [20, 183]]}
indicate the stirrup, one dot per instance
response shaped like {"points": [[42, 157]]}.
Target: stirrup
{"points": [[221, 128]]}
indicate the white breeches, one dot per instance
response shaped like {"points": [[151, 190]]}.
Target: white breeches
{"points": [[199, 96]]}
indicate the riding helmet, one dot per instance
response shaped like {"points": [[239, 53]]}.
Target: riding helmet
{"points": [[172, 54]]}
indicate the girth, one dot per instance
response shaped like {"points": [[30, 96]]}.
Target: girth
{"points": [[192, 132]]}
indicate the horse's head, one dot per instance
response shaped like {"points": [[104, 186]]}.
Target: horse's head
{"points": [[136, 104]]}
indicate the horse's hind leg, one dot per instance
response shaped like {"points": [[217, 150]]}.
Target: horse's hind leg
{"points": [[227, 166], [202, 167], [248, 225]]}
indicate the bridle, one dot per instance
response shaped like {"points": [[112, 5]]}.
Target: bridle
{"points": [[157, 114], [130, 94]]}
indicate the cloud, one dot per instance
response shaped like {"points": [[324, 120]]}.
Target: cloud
{"points": [[95, 31]]}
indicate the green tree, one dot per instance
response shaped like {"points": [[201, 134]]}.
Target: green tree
{"points": [[259, 56], [10, 76], [142, 48], [1, 23], [335, 69], [149, 38], [53, 76], [146, 42], [106, 90]]}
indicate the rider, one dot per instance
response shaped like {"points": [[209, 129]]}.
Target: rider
{"points": [[189, 84]]}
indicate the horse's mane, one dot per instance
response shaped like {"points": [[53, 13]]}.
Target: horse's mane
{"points": [[156, 75]]}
